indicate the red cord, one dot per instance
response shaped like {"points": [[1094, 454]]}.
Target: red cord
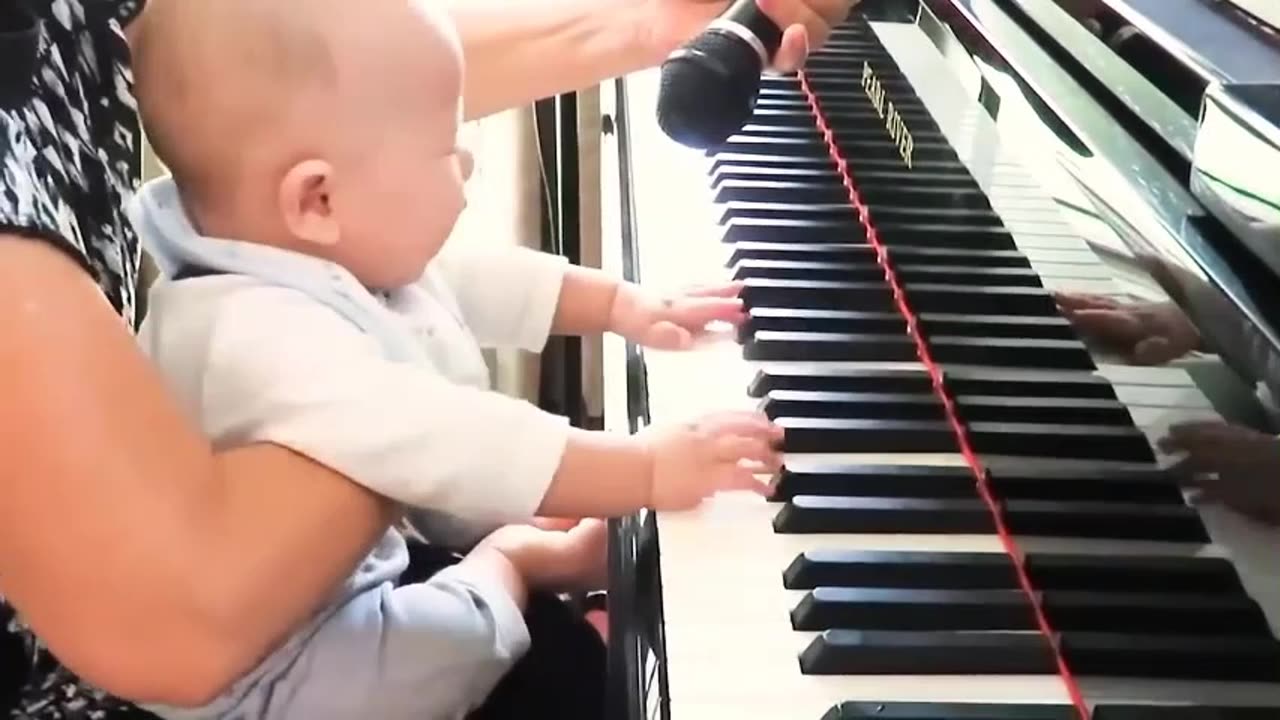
{"points": [[935, 374]]}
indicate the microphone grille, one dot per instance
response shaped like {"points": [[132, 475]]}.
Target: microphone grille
{"points": [[707, 90]]}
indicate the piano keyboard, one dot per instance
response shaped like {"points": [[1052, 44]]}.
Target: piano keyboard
{"points": [[875, 584]]}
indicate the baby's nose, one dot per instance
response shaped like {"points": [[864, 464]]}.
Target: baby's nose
{"points": [[466, 163]]}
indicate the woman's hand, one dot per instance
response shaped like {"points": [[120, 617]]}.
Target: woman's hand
{"points": [[806, 24]]}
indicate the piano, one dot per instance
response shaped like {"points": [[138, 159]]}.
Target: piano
{"points": [[975, 521]]}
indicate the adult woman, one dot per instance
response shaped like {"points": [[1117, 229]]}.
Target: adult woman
{"points": [[151, 565]]}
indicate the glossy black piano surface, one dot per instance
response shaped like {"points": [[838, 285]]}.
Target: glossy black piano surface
{"points": [[904, 284]]}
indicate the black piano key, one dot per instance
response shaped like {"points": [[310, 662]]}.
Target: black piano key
{"points": [[855, 148], [942, 235], [971, 711], [837, 212], [903, 257], [817, 435], [727, 174], [821, 477], [841, 479], [866, 271], [833, 294], [836, 404], [836, 99], [875, 652], [1108, 711], [1154, 613], [893, 569], [724, 159], [922, 298], [1018, 439], [863, 253], [1101, 482], [793, 230], [898, 87], [828, 608], [798, 118], [1114, 573], [908, 274], [771, 145], [1142, 573], [820, 321], [793, 403], [1041, 353], [831, 320], [831, 102], [805, 514], [957, 177], [922, 195], [956, 218], [1181, 657], [963, 299], [830, 191], [811, 346], [745, 250], [1060, 440], [1044, 518], [876, 608], [872, 133], [1105, 520], [1083, 411], [959, 381], [897, 380], [763, 126], [1069, 384], [1010, 326]]}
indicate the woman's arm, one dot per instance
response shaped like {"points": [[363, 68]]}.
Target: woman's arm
{"points": [[152, 566], [518, 51]]}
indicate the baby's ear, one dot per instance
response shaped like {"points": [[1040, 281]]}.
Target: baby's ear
{"points": [[306, 202]]}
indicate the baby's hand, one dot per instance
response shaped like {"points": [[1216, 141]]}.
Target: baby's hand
{"points": [[556, 560], [722, 451], [673, 323]]}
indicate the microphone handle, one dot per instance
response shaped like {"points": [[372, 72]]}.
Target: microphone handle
{"points": [[744, 20]]}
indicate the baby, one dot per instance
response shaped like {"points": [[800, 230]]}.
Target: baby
{"points": [[309, 299]]}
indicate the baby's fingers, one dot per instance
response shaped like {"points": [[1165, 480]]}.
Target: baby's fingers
{"points": [[727, 290], [755, 424], [747, 479], [735, 448]]}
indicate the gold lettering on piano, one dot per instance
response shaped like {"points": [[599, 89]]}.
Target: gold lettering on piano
{"points": [[893, 121]]}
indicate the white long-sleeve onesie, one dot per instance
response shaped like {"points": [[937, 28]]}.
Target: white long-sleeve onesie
{"points": [[393, 392]]}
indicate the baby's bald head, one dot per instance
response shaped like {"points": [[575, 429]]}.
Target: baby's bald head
{"points": [[220, 81], [241, 98]]}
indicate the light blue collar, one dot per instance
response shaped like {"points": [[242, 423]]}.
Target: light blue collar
{"points": [[168, 236]]}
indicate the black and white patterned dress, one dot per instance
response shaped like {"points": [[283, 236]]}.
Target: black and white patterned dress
{"points": [[69, 159]]}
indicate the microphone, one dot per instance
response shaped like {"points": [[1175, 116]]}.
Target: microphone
{"points": [[708, 87]]}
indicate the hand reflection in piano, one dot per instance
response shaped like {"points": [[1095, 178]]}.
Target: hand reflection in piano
{"points": [[1234, 465], [1225, 463], [1146, 333]]}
